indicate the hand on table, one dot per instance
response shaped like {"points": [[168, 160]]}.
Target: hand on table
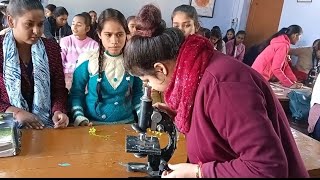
{"points": [[60, 120]]}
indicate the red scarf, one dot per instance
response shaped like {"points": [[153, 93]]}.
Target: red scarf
{"points": [[192, 61]]}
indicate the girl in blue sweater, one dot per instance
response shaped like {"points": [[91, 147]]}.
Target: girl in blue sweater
{"points": [[102, 91]]}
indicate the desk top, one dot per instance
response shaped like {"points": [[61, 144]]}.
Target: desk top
{"points": [[90, 156], [282, 92], [309, 149]]}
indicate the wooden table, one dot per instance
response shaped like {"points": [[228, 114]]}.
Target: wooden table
{"points": [[88, 156], [309, 149], [282, 92], [91, 156]]}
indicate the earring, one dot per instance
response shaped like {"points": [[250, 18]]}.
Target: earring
{"points": [[165, 75], [164, 79]]}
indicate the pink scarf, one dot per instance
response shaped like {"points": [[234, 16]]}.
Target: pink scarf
{"points": [[192, 61]]}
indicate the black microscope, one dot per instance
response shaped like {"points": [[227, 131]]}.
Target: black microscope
{"points": [[148, 146]]}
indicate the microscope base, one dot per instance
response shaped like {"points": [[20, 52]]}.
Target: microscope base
{"points": [[143, 168]]}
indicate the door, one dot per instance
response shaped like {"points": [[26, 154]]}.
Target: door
{"points": [[263, 20]]}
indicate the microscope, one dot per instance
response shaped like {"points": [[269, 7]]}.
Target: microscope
{"points": [[148, 146]]}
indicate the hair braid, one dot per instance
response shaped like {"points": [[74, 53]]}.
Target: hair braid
{"points": [[100, 61]]}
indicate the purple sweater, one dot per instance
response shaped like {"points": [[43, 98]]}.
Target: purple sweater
{"points": [[239, 128]]}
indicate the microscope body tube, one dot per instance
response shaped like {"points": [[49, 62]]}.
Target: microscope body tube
{"points": [[146, 109]]}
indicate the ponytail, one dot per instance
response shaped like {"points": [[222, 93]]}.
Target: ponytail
{"points": [[293, 29], [234, 46], [235, 40]]}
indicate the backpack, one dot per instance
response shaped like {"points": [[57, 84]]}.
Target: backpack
{"points": [[299, 105]]}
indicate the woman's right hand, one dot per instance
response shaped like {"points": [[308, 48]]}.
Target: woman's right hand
{"points": [[163, 107], [296, 86], [28, 120]]}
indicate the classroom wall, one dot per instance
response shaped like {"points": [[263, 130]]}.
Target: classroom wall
{"points": [[305, 15], [225, 11]]}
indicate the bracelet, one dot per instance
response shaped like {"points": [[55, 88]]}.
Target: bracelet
{"points": [[198, 173]]}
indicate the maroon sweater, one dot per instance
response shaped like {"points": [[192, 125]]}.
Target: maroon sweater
{"points": [[239, 128], [58, 91]]}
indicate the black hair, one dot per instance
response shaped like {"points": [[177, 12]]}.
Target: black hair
{"points": [[1, 18], [106, 15], [19, 7], [51, 7], [190, 11], [145, 49], [130, 18], [60, 11], [235, 40], [216, 32], [163, 23], [316, 43], [293, 29], [225, 38], [205, 32], [141, 53], [92, 11], [86, 17], [315, 47], [216, 28]]}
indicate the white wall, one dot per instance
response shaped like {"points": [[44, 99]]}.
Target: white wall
{"points": [[305, 15], [127, 7], [224, 11]]}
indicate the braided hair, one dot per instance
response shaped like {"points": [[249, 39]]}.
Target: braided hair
{"points": [[235, 41], [107, 15]]}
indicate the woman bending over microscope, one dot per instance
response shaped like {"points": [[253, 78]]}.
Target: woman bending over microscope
{"points": [[204, 97]]}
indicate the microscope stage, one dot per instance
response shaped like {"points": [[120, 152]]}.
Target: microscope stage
{"points": [[149, 146]]}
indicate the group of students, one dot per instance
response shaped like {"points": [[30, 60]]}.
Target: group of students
{"points": [[185, 17], [203, 88]]}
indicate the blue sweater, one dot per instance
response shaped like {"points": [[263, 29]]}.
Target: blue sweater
{"points": [[121, 92]]}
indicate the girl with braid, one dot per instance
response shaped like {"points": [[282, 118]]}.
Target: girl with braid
{"points": [[235, 47], [113, 95]]}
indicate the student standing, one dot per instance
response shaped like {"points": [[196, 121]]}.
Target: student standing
{"points": [[203, 92], [131, 20], [273, 60], [56, 26], [93, 28], [235, 47], [314, 113], [308, 58], [49, 9], [185, 17], [74, 45], [230, 35], [31, 82], [113, 95], [216, 39]]}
